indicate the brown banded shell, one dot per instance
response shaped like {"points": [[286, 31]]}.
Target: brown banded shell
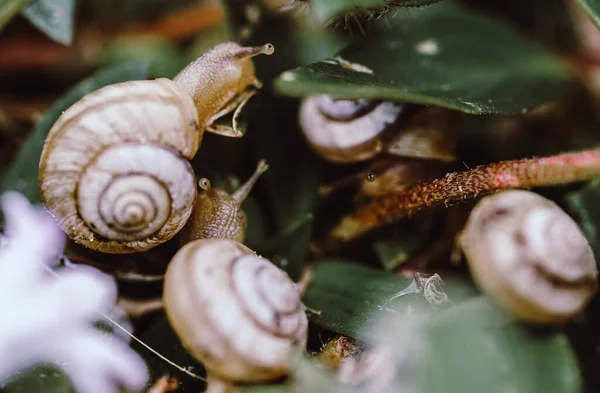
{"points": [[530, 256], [114, 171], [346, 130], [236, 312]]}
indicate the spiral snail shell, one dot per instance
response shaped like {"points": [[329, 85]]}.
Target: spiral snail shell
{"points": [[114, 170], [346, 130], [530, 256], [236, 312]]}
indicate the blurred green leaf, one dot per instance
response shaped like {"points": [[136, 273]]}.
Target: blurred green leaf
{"points": [[474, 351], [9, 8], [39, 379], [441, 55], [324, 10], [53, 17], [349, 296], [288, 249], [584, 204], [22, 175], [166, 60], [592, 9], [398, 243]]}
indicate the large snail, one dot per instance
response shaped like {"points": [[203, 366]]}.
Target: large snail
{"points": [[528, 255], [114, 171], [344, 131], [237, 313]]}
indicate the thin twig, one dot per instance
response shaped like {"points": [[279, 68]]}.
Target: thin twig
{"points": [[460, 186], [118, 325]]}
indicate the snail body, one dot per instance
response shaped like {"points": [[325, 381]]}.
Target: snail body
{"points": [[217, 214], [235, 312], [530, 257], [115, 172]]}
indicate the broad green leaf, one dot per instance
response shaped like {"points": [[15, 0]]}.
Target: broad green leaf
{"points": [[475, 351], [288, 249], [22, 176], [441, 55], [53, 17], [349, 297], [39, 379], [401, 242], [326, 9], [10, 8], [592, 9], [584, 204], [165, 59]]}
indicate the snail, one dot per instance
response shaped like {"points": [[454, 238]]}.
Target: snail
{"points": [[218, 214], [115, 171], [237, 313], [528, 255], [346, 131]]}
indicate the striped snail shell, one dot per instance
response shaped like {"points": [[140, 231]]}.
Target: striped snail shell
{"points": [[347, 130], [530, 256], [115, 169], [237, 313]]}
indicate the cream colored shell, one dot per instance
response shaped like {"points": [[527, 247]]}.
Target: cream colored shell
{"points": [[530, 256], [114, 171], [346, 130], [236, 312]]}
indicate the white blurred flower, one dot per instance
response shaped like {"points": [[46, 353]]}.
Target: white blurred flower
{"points": [[49, 319]]}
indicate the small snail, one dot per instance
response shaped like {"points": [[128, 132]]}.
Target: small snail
{"points": [[218, 214], [235, 312], [346, 131], [530, 256], [114, 170]]}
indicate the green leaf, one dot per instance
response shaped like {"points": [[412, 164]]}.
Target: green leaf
{"points": [[39, 379], [584, 204], [441, 55], [165, 58], [22, 175], [401, 242], [349, 297], [592, 9], [54, 18], [288, 249], [9, 8], [324, 10], [472, 349]]}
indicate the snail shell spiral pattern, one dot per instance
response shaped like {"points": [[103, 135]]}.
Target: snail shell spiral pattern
{"points": [[114, 171], [347, 130], [236, 312], [530, 256]]}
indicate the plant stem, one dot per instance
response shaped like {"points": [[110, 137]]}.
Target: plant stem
{"points": [[475, 182]]}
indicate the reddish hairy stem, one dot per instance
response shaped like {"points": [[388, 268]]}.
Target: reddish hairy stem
{"points": [[459, 186]]}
